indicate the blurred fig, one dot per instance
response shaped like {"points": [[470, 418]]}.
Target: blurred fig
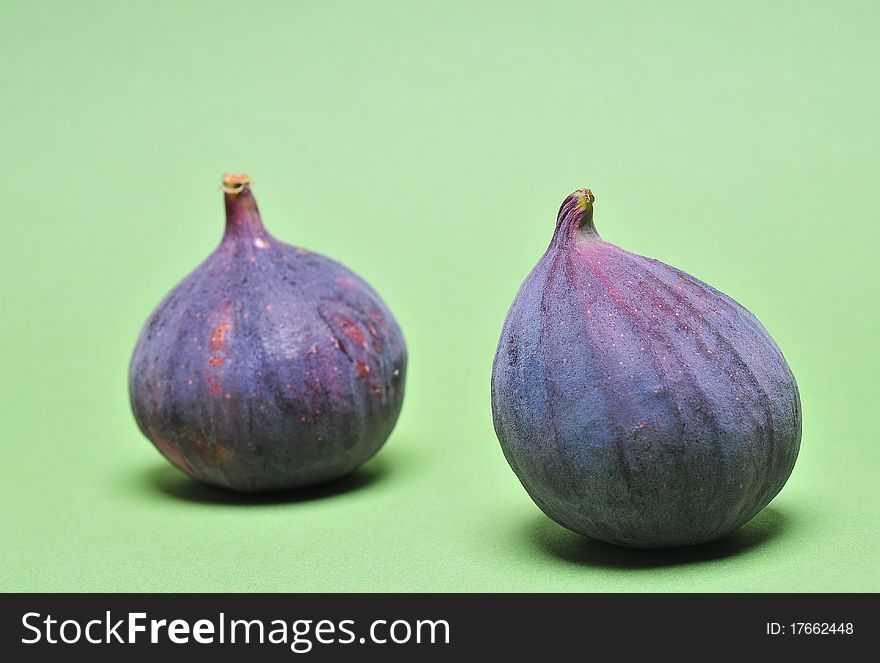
{"points": [[269, 366]]}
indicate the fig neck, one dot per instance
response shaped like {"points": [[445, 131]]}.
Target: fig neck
{"points": [[574, 222], [242, 215]]}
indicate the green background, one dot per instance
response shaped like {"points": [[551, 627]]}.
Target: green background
{"points": [[427, 146]]}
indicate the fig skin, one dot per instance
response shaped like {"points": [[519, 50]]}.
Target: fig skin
{"points": [[268, 367], [636, 404]]}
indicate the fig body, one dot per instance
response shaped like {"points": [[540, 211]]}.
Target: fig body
{"points": [[269, 366], [636, 404]]}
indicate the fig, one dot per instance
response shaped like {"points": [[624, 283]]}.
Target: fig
{"points": [[269, 366], [636, 404]]}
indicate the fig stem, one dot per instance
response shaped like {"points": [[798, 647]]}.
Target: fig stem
{"points": [[242, 216], [585, 199], [235, 183], [575, 217]]}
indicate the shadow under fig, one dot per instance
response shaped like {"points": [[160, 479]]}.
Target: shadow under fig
{"points": [[575, 549], [172, 483]]}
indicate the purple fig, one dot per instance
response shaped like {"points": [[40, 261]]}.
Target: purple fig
{"points": [[636, 404], [269, 366]]}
